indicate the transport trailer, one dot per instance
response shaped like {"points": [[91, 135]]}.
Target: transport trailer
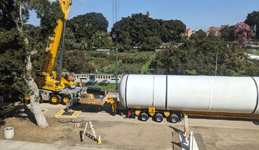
{"points": [[168, 96], [222, 115], [97, 97]]}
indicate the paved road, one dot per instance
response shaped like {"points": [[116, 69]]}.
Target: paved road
{"points": [[19, 145], [210, 133], [50, 110]]}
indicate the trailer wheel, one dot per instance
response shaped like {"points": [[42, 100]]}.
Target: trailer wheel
{"points": [[54, 99], [143, 116], [65, 99], [158, 117], [173, 118]]}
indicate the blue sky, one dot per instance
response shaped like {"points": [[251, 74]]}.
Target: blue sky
{"points": [[195, 14]]}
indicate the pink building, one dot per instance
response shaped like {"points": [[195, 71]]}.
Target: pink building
{"points": [[188, 32]]}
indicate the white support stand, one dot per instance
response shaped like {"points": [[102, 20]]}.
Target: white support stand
{"points": [[186, 126], [187, 140], [191, 141]]}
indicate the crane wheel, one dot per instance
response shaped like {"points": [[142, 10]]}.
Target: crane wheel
{"points": [[65, 99], [158, 117], [40, 99], [54, 99], [143, 116]]}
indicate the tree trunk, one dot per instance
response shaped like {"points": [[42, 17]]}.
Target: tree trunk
{"points": [[34, 94], [35, 105], [41, 121]]}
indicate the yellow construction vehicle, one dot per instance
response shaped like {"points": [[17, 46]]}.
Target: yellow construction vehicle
{"points": [[52, 86], [97, 97]]}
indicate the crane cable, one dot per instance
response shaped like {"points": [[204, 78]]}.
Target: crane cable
{"points": [[115, 11], [115, 16]]}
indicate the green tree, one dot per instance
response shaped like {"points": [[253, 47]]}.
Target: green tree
{"points": [[252, 19], [227, 33], [199, 57], [124, 42], [140, 28], [107, 42], [198, 35], [150, 43], [212, 36], [12, 66], [85, 26], [70, 39], [176, 28], [13, 16], [77, 62], [97, 38], [165, 61]]}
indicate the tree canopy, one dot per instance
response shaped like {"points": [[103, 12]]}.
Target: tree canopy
{"points": [[19, 42], [227, 33], [198, 35], [85, 26], [243, 33], [14, 47], [141, 29], [252, 20], [76, 61], [199, 57]]}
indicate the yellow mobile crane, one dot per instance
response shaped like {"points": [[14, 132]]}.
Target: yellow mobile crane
{"points": [[52, 86]]}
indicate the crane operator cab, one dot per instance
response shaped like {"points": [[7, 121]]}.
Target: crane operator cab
{"points": [[70, 80]]}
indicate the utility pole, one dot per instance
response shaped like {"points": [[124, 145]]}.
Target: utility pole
{"points": [[115, 35], [216, 64], [116, 70]]}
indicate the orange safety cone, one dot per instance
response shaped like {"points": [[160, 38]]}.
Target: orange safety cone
{"points": [[99, 140]]}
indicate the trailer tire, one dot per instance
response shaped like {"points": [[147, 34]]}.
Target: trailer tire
{"points": [[158, 117], [65, 99], [173, 118], [132, 114], [143, 116], [54, 99]]}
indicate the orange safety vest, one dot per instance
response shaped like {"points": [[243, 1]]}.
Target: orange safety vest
{"points": [[69, 78]]}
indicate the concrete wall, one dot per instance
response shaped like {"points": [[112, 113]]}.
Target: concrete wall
{"points": [[98, 77]]}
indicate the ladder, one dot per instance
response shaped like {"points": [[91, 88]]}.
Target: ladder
{"points": [[91, 127]]}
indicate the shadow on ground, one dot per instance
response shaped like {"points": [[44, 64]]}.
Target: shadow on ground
{"points": [[176, 144], [255, 121], [12, 109], [97, 108]]}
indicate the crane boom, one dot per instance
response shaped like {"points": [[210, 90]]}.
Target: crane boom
{"points": [[64, 89], [53, 47]]}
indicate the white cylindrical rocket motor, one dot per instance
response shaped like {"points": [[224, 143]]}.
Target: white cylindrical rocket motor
{"points": [[190, 93]]}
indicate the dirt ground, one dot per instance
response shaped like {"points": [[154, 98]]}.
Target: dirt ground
{"points": [[117, 135], [114, 134], [126, 135]]}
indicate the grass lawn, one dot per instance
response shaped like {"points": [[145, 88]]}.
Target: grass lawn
{"points": [[146, 66], [111, 67]]}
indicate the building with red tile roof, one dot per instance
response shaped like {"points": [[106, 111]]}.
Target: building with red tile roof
{"points": [[215, 30]]}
